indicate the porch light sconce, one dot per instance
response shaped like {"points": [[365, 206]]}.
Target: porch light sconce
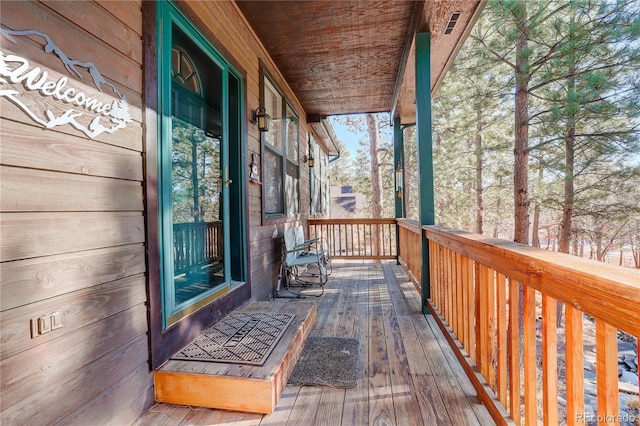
{"points": [[261, 117], [399, 180], [308, 159]]}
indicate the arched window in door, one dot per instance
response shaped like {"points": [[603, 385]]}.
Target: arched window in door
{"points": [[184, 71]]}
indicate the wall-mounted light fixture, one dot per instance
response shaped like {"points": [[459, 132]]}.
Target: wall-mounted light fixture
{"points": [[399, 180], [261, 117], [308, 159]]}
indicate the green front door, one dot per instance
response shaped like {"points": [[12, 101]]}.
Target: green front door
{"points": [[199, 94]]}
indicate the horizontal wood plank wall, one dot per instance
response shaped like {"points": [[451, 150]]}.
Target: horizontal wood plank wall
{"points": [[489, 341], [73, 230], [232, 35]]}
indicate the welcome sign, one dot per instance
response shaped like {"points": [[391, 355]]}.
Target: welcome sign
{"points": [[20, 81]]}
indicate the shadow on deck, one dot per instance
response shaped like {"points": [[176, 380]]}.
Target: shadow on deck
{"points": [[409, 373]]}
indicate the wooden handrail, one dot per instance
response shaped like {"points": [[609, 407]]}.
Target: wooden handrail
{"points": [[478, 285], [604, 291]]}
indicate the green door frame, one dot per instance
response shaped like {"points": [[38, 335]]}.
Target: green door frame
{"points": [[167, 16]]}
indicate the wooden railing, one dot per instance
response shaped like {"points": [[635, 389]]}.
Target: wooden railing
{"points": [[481, 288], [409, 248], [196, 244], [373, 239], [496, 302]]}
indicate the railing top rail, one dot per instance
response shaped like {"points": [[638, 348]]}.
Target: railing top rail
{"points": [[604, 291], [410, 224], [351, 221]]}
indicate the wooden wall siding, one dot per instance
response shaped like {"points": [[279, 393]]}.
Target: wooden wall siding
{"points": [[72, 230], [230, 32]]}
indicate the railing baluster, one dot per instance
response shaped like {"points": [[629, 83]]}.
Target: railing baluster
{"points": [[484, 321], [459, 291], [491, 323], [472, 309], [514, 350], [445, 282], [352, 242], [452, 289], [607, 373], [435, 276], [477, 313], [464, 280], [574, 365], [529, 356], [333, 238], [501, 301], [441, 277], [549, 361]]}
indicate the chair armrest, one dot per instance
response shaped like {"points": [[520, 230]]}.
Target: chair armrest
{"points": [[306, 244]]}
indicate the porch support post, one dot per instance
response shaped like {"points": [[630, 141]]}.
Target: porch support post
{"points": [[425, 151], [398, 161]]}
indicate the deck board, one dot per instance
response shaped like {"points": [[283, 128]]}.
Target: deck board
{"points": [[409, 374]]}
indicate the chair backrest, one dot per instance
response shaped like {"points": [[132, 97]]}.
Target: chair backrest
{"points": [[299, 235], [290, 244]]}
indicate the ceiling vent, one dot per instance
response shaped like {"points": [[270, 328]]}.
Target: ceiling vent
{"points": [[452, 22]]}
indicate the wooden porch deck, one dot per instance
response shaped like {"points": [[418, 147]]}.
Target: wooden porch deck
{"points": [[409, 374]]}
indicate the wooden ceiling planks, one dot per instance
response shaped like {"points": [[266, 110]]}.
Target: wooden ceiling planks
{"points": [[344, 56]]}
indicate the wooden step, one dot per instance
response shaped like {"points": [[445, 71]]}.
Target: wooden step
{"points": [[252, 389]]}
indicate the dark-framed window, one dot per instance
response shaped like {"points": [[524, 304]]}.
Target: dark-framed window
{"points": [[281, 164], [319, 179]]}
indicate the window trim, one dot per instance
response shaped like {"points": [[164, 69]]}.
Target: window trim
{"points": [[277, 218], [319, 179]]}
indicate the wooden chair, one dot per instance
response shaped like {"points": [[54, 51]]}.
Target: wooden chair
{"points": [[304, 262]]}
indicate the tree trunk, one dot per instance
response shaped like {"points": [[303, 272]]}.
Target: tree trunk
{"points": [[479, 166], [598, 233], [376, 182], [535, 233], [521, 148], [569, 148], [498, 210], [569, 163], [521, 144]]}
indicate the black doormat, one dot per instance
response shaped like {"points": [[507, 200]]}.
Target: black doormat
{"points": [[328, 361], [238, 338]]}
